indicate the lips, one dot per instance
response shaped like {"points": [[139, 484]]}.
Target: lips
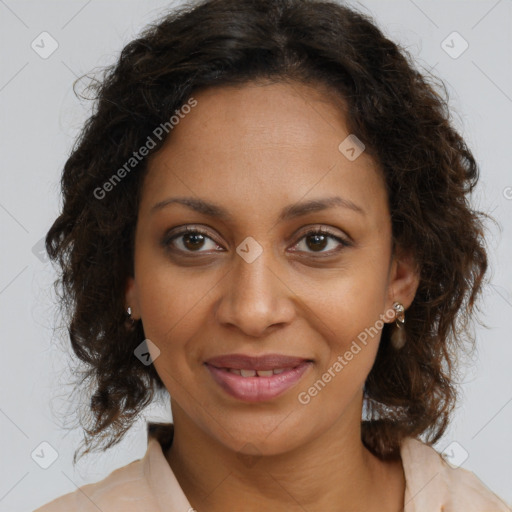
{"points": [[257, 378], [257, 388], [265, 362]]}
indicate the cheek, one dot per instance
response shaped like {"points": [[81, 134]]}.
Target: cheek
{"points": [[346, 357], [174, 305], [353, 343], [345, 301], [349, 318], [172, 314], [170, 306]]}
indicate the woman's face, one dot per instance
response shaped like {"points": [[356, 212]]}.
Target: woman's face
{"points": [[251, 282]]}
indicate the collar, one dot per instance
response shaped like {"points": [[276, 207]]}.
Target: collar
{"points": [[159, 475]]}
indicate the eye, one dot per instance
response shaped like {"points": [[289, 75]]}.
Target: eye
{"points": [[193, 239], [189, 240], [317, 239]]}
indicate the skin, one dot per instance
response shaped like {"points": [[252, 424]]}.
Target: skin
{"points": [[255, 150]]}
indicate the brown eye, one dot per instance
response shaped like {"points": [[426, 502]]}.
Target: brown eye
{"points": [[193, 241], [317, 242], [189, 240], [318, 239]]}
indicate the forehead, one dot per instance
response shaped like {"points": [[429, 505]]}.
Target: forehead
{"points": [[262, 142], [261, 114]]}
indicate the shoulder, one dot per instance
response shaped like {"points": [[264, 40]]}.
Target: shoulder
{"points": [[124, 489], [434, 485]]}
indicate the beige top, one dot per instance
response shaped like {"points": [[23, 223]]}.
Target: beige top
{"points": [[149, 484]]}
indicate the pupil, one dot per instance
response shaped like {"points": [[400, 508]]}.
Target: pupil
{"points": [[319, 239]]}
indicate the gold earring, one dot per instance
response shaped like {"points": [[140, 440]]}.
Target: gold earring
{"points": [[398, 334]]}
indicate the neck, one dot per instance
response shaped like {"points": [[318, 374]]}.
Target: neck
{"points": [[334, 467]]}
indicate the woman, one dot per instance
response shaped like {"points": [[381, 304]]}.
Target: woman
{"points": [[268, 217]]}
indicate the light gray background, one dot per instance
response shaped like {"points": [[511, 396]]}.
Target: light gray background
{"points": [[40, 118]]}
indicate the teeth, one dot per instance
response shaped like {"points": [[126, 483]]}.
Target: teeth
{"points": [[265, 373], [253, 373]]}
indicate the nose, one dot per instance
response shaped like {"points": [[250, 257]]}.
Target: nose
{"points": [[255, 297]]}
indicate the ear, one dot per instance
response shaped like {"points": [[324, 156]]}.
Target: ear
{"points": [[131, 298], [404, 279]]}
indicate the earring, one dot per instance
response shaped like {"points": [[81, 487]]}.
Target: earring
{"points": [[398, 334], [129, 313]]}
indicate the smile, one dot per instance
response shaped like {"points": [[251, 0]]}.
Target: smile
{"points": [[257, 385]]}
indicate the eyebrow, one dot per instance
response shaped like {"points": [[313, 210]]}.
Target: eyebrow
{"points": [[289, 212]]}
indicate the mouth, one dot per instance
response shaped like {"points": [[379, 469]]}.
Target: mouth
{"points": [[256, 373], [258, 384]]}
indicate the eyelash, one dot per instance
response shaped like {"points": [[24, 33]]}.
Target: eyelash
{"points": [[167, 240]]}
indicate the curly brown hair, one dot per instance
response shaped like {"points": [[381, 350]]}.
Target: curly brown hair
{"points": [[392, 107]]}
